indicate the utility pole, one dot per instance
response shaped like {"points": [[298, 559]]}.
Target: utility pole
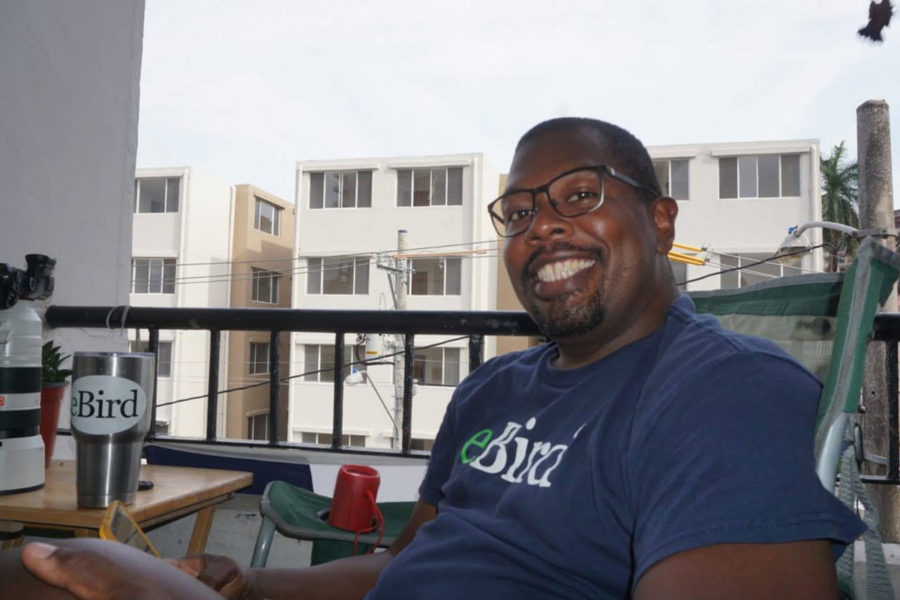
{"points": [[401, 277], [876, 211]]}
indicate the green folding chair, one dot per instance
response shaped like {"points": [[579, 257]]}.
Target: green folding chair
{"points": [[825, 322], [299, 513]]}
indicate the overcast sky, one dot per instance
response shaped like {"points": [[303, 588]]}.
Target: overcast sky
{"points": [[243, 90]]}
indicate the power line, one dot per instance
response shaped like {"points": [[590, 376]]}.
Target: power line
{"points": [[753, 264]]}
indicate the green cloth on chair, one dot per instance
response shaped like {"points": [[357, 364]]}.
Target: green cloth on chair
{"points": [[295, 513]]}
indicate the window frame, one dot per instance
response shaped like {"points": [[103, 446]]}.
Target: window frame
{"points": [[666, 187], [446, 274], [321, 374], [359, 175], [276, 217], [737, 185], [163, 355], [324, 439], [253, 367], [315, 279], [446, 381], [257, 275], [452, 186], [169, 205], [165, 282], [251, 417]]}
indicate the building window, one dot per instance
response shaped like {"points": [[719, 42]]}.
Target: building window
{"points": [[163, 356], [325, 439], [441, 186], [338, 275], [265, 286], [318, 362], [153, 276], [156, 194], [340, 189], [436, 366], [259, 358], [268, 217], [421, 444], [258, 426], [747, 273], [764, 176], [436, 277], [674, 177]]}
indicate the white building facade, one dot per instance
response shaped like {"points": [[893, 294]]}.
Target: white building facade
{"points": [[181, 248], [348, 216], [739, 200]]}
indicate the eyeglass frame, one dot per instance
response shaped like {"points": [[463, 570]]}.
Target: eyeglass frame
{"points": [[602, 170]]}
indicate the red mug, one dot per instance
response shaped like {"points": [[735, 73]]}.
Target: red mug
{"points": [[351, 506]]}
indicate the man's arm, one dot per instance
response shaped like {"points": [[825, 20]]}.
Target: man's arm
{"points": [[347, 578], [786, 571]]}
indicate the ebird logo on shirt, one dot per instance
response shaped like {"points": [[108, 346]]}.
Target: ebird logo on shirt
{"points": [[521, 460]]}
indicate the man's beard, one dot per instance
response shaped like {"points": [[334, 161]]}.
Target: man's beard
{"points": [[562, 321]]}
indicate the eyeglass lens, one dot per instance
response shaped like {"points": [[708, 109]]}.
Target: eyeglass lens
{"points": [[571, 195]]}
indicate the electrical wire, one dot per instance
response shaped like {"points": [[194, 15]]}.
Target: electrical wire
{"points": [[326, 370], [797, 252]]}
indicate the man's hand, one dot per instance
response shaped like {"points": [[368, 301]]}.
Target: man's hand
{"points": [[218, 572], [98, 570]]}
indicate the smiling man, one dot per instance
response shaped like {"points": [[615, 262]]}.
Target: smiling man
{"points": [[644, 452]]}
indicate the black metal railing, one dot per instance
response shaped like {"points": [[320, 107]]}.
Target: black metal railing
{"points": [[474, 324]]}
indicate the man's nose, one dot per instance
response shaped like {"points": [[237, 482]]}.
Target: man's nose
{"points": [[547, 222]]}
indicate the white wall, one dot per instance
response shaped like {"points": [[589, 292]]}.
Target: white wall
{"points": [[69, 74], [199, 237], [742, 225]]}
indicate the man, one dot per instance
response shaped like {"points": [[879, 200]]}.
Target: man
{"points": [[645, 453]]}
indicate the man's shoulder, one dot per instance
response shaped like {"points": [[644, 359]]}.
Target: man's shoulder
{"points": [[698, 342]]}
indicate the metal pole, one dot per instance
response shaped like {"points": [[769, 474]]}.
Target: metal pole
{"points": [[212, 394], [876, 212], [153, 346], [274, 389], [337, 427], [401, 273]]}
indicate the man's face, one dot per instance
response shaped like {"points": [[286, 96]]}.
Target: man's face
{"points": [[591, 275]]}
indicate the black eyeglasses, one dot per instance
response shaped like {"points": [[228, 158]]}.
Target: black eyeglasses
{"points": [[572, 193]]}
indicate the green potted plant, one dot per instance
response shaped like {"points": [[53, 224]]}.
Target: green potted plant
{"points": [[53, 388]]}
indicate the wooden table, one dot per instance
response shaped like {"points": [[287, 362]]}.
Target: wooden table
{"points": [[177, 491]]}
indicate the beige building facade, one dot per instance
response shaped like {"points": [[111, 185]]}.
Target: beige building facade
{"points": [[261, 278]]}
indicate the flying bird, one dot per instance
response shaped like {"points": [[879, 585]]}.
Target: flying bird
{"points": [[879, 18]]}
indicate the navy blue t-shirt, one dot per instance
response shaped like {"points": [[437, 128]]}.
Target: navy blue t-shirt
{"points": [[572, 483]]}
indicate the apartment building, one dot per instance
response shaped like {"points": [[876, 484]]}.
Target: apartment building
{"points": [[181, 248], [261, 276], [348, 216]]}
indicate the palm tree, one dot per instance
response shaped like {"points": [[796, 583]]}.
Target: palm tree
{"points": [[840, 199]]}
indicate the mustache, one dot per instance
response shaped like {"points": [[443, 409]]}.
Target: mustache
{"points": [[558, 246]]}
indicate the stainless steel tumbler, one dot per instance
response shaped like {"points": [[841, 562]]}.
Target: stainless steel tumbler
{"points": [[112, 394]]}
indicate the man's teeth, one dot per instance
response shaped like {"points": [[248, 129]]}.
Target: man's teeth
{"points": [[563, 269]]}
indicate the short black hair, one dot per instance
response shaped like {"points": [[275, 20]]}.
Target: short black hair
{"points": [[630, 153]]}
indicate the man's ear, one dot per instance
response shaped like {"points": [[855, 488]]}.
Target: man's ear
{"points": [[664, 211]]}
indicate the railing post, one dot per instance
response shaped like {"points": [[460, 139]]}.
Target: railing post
{"points": [[153, 346], [337, 428], [212, 395], [408, 357], [476, 351], [893, 454], [274, 388]]}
